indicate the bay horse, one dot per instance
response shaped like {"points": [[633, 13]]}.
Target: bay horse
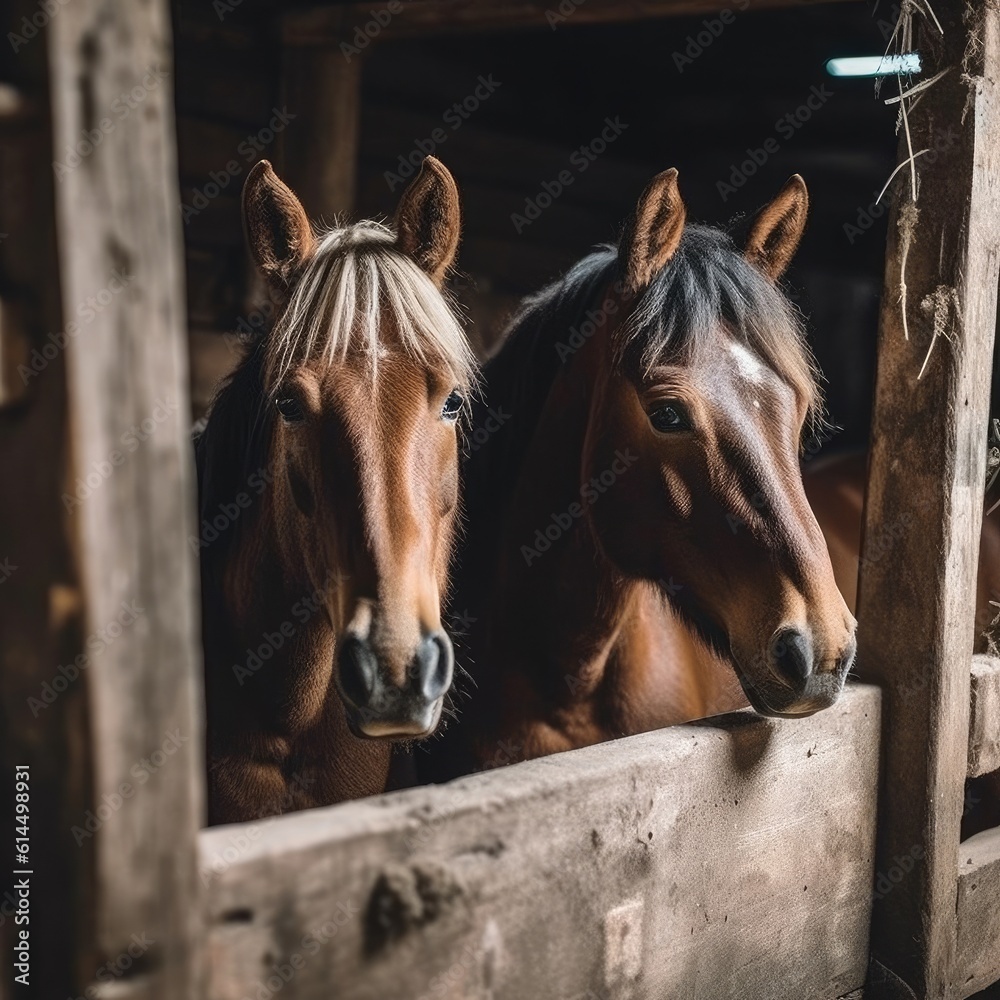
{"points": [[328, 482], [639, 474]]}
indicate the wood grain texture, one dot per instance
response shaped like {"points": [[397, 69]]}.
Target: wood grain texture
{"points": [[978, 950], [984, 720], [39, 630], [715, 861], [335, 23], [924, 508], [120, 255], [319, 149]]}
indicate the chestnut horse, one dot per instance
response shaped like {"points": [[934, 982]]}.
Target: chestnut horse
{"points": [[328, 475], [641, 465]]}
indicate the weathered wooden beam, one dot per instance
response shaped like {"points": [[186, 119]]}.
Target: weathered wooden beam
{"points": [[130, 493], [319, 148], [336, 24], [984, 720], [716, 861], [977, 962], [925, 490], [39, 622]]}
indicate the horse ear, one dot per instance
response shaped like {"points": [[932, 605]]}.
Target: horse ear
{"points": [[277, 228], [652, 235], [429, 219], [775, 234]]}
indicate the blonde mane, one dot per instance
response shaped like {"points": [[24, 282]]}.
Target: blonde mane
{"points": [[356, 288]]}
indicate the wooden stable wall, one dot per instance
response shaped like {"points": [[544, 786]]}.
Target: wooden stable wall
{"points": [[927, 472], [716, 861], [555, 89], [726, 859]]}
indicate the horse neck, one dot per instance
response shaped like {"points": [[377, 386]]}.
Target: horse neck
{"points": [[562, 602]]}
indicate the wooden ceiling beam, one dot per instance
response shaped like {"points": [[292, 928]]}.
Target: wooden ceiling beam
{"points": [[332, 24]]}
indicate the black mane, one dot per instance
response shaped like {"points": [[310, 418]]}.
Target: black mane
{"points": [[231, 448], [708, 285]]}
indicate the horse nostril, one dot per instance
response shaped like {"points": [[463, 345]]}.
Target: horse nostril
{"points": [[358, 668], [791, 653], [434, 664]]}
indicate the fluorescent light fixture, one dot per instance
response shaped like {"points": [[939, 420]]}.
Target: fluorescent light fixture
{"points": [[907, 63]]}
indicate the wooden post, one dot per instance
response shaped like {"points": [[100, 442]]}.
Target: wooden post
{"points": [[925, 490], [131, 489], [38, 620], [319, 149]]}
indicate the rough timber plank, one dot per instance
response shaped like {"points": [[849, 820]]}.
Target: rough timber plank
{"points": [[925, 489], [716, 861], [333, 24], [984, 721], [978, 950], [38, 624], [120, 269]]}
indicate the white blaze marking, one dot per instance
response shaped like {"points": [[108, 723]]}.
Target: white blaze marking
{"points": [[748, 365]]}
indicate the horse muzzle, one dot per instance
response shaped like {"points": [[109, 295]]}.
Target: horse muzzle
{"points": [[380, 707], [794, 681]]}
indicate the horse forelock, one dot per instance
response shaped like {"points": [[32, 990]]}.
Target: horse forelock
{"points": [[710, 288], [359, 295]]}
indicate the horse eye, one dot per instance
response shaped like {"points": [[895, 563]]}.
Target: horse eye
{"points": [[670, 417], [290, 408], [452, 407]]}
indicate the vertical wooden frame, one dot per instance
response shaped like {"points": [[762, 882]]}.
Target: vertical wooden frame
{"points": [[925, 490], [121, 269], [321, 86]]}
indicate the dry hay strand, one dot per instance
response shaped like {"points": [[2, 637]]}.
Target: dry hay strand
{"points": [[992, 633], [944, 307]]}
